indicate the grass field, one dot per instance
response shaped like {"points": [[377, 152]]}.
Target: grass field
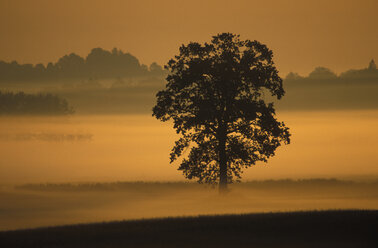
{"points": [[349, 228], [39, 205]]}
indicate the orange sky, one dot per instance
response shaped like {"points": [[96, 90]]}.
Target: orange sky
{"points": [[339, 34]]}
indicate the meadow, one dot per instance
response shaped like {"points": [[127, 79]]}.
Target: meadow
{"points": [[40, 205], [76, 171], [353, 228]]}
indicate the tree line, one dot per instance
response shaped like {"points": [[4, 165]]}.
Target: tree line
{"points": [[33, 104], [99, 63], [323, 74]]}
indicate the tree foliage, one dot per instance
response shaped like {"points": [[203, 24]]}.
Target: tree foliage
{"points": [[215, 97]]}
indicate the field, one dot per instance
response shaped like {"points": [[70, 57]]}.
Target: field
{"points": [[295, 229], [38, 205]]}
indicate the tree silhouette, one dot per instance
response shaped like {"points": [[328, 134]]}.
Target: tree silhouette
{"points": [[372, 65], [33, 104], [99, 63], [215, 97]]}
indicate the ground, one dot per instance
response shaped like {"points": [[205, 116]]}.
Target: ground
{"points": [[348, 228]]}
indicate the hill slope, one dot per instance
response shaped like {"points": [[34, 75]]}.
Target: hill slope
{"points": [[353, 228]]}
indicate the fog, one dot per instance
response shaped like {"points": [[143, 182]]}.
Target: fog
{"points": [[79, 154], [60, 204], [339, 144]]}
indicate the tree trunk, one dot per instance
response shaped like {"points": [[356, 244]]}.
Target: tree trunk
{"points": [[222, 161]]}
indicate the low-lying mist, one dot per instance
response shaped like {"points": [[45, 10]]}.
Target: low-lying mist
{"points": [[54, 154], [35, 205], [325, 144]]}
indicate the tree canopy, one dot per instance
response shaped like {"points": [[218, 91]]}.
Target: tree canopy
{"points": [[215, 96]]}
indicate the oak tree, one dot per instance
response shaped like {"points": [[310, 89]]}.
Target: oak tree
{"points": [[216, 97]]}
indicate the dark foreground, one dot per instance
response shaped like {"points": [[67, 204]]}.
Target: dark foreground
{"points": [[350, 228]]}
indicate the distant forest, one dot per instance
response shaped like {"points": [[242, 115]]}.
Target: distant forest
{"points": [[324, 89], [98, 64], [33, 104], [115, 82], [322, 74]]}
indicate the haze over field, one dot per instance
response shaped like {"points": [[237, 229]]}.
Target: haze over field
{"points": [[38, 205], [79, 80], [136, 147]]}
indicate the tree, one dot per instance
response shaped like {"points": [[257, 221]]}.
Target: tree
{"points": [[215, 97], [372, 65], [322, 73]]}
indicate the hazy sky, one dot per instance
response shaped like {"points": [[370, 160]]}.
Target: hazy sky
{"points": [[339, 34]]}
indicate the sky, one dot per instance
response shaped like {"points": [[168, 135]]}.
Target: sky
{"points": [[338, 34]]}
